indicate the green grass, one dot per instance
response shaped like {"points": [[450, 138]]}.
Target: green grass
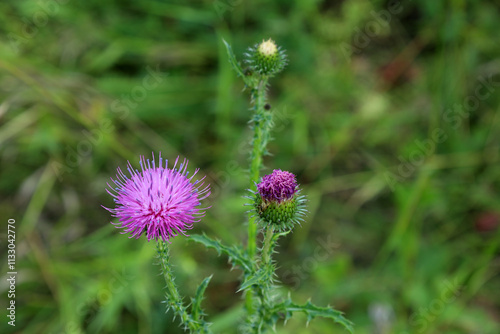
{"points": [[406, 242]]}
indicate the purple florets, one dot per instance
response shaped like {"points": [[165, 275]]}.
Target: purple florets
{"points": [[278, 186], [158, 201]]}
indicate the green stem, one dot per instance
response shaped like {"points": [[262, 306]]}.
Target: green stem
{"points": [[174, 299], [266, 250], [261, 127], [264, 290], [261, 133]]}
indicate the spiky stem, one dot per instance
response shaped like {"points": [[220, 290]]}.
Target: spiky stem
{"points": [[262, 322], [174, 300], [267, 249], [261, 123], [261, 126]]}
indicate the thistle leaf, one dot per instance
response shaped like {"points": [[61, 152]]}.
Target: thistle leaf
{"points": [[263, 276], [196, 308], [235, 255], [232, 60], [312, 311]]}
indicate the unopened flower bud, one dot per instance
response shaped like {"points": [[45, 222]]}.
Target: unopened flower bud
{"points": [[277, 201], [266, 58]]}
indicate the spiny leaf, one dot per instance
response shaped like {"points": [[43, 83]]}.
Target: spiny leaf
{"points": [[196, 308], [274, 240], [312, 311], [263, 276], [276, 236], [232, 60], [251, 80], [236, 256]]}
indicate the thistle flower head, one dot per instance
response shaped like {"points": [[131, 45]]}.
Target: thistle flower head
{"points": [[268, 48], [278, 202], [159, 201], [266, 58], [278, 186]]}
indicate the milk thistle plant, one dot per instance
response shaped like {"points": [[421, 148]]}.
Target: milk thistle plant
{"points": [[163, 202]]}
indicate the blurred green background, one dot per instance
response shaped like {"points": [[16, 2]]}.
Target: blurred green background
{"points": [[387, 113]]}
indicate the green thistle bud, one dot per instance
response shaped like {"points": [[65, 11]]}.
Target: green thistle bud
{"points": [[266, 58], [278, 202]]}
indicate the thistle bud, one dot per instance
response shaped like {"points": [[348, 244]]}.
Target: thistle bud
{"points": [[266, 58], [277, 201]]}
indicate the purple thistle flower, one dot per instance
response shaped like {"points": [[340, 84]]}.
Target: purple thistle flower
{"points": [[278, 202], [159, 201], [278, 186]]}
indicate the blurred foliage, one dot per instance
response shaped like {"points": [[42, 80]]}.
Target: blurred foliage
{"points": [[392, 129]]}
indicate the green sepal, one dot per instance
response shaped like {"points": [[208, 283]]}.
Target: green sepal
{"points": [[266, 65], [281, 216]]}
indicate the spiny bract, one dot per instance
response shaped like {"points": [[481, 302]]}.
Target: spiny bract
{"points": [[266, 58]]}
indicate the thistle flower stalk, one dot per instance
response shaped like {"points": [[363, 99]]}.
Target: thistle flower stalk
{"points": [[267, 249], [262, 127], [174, 299]]}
